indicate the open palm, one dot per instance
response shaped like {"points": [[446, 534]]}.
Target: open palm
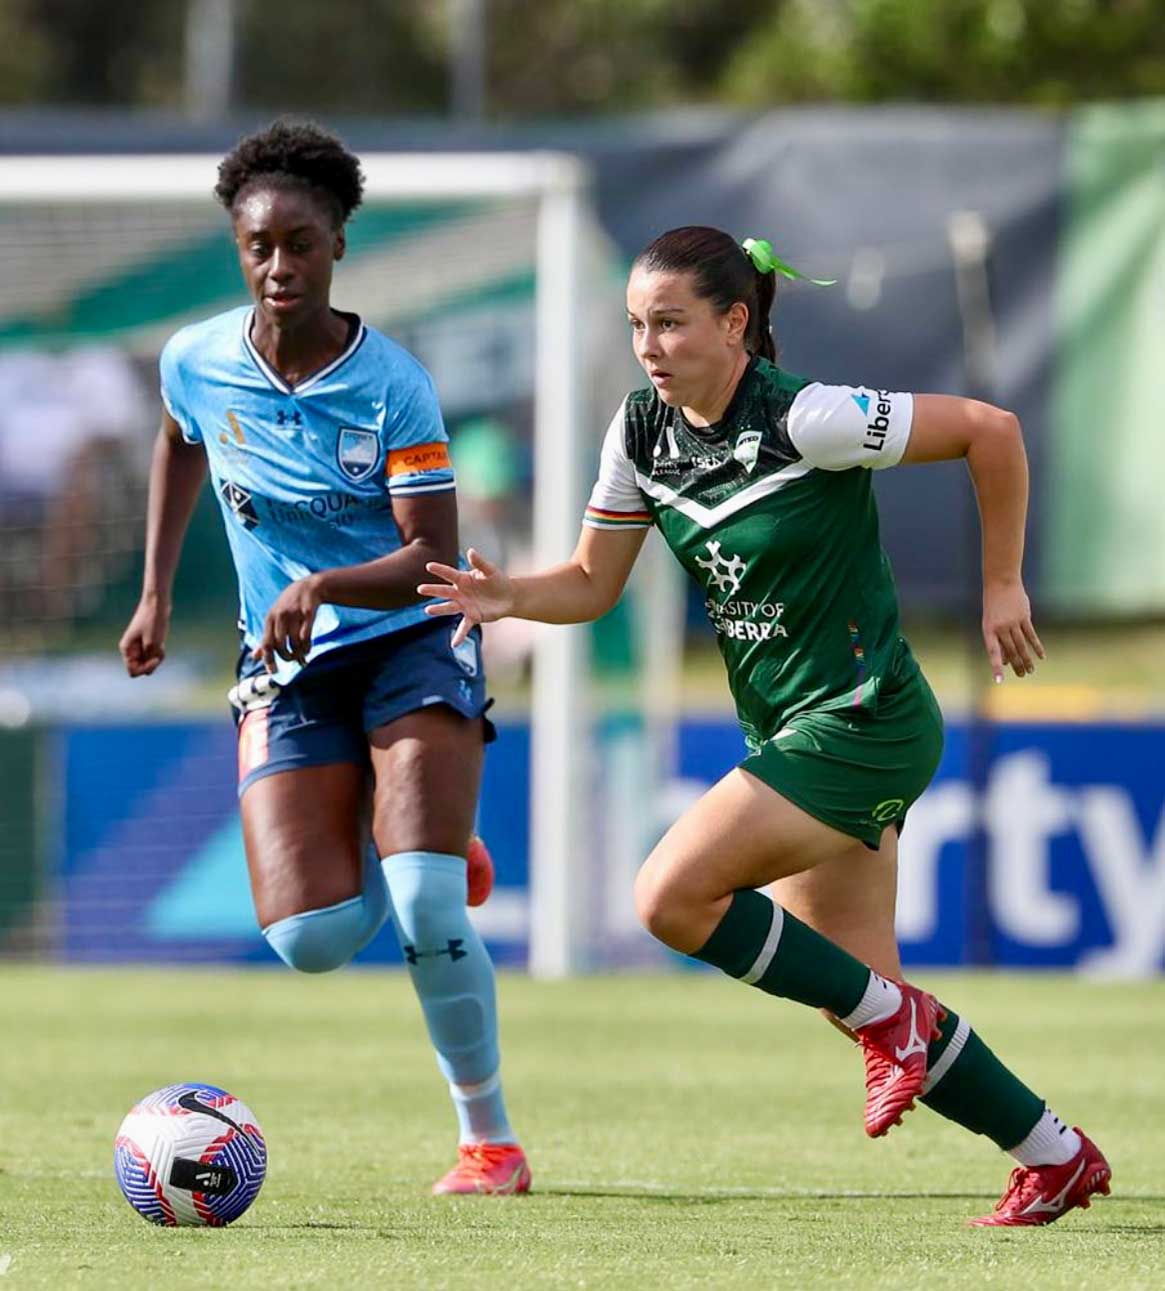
{"points": [[480, 594]]}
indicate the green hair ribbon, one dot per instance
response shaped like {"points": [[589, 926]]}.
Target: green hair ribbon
{"points": [[766, 260]]}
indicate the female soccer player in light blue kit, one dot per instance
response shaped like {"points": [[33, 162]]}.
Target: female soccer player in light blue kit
{"points": [[330, 463]]}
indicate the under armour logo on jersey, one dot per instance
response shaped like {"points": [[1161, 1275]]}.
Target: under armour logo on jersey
{"points": [[726, 572], [452, 949], [283, 419]]}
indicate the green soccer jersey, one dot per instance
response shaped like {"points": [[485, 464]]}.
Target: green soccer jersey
{"points": [[772, 511]]}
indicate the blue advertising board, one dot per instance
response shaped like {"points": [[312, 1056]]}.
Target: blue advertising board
{"points": [[151, 864], [1050, 854]]}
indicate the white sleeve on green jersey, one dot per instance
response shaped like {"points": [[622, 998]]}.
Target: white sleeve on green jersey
{"points": [[616, 502], [837, 427]]}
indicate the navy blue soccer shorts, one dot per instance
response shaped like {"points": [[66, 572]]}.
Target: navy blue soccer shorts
{"points": [[326, 713]]}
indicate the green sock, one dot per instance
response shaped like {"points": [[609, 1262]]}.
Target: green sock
{"points": [[968, 1084], [763, 945]]}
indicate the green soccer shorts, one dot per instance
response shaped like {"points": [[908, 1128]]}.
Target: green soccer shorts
{"points": [[856, 770]]}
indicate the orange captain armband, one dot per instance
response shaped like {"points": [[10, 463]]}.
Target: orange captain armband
{"points": [[418, 459]]}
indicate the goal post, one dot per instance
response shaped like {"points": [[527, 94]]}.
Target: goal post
{"points": [[559, 779], [456, 225]]}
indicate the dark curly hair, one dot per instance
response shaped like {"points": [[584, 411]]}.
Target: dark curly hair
{"points": [[293, 154]]}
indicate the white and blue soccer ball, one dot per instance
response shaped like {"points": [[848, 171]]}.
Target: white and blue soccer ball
{"points": [[190, 1155]]}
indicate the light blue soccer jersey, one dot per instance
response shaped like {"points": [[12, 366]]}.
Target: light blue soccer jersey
{"points": [[305, 475]]}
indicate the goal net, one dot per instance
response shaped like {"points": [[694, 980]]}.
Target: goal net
{"points": [[493, 270]]}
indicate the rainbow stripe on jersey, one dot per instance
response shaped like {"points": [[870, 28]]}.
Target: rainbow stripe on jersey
{"points": [[598, 518]]}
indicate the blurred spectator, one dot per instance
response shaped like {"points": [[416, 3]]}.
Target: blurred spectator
{"points": [[74, 437], [493, 508], [489, 467]]}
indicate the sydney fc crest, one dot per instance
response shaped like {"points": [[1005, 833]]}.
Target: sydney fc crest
{"points": [[747, 448], [357, 452]]}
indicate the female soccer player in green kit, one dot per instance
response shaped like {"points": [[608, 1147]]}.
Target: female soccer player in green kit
{"points": [[760, 483]]}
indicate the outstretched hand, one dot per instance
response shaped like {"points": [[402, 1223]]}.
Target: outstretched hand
{"points": [[1008, 632], [480, 594]]}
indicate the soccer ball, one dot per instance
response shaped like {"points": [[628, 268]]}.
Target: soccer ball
{"points": [[190, 1155]]}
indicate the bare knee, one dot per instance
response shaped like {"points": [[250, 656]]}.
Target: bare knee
{"points": [[651, 904], [672, 911]]}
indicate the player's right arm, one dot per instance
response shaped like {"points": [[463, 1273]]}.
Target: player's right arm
{"points": [[581, 589], [177, 471]]}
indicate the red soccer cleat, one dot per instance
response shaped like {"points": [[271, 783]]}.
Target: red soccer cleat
{"points": [[479, 872], [895, 1054], [494, 1169], [1040, 1194]]}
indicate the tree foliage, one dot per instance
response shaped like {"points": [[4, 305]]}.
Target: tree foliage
{"points": [[602, 55], [589, 56], [357, 56], [1050, 52], [118, 53]]}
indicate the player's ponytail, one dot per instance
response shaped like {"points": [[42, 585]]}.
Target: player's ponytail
{"points": [[767, 264], [760, 339]]}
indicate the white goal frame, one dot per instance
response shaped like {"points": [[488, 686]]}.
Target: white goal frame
{"points": [[561, 186]]}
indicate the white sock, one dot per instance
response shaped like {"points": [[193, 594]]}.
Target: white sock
{"points": [[881, 1000], [1051, 1142], [481, 1112]]}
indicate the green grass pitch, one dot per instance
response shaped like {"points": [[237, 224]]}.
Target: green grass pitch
{"points": [[683, 1132]]}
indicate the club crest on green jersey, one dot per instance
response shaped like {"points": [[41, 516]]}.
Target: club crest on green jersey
{"points": [[747, 449], [725, 572]]}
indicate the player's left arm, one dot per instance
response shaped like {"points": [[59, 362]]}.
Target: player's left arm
{"points": [[427, 523], [945, 427]]}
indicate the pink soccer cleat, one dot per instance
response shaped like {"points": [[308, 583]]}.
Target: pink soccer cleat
{"points": [[895, 1054], [1040, 1194], [493, 1169], [479, 871]]}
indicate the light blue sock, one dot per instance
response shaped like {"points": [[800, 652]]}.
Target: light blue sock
{"points": [[454, 980], [317, 941]]}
